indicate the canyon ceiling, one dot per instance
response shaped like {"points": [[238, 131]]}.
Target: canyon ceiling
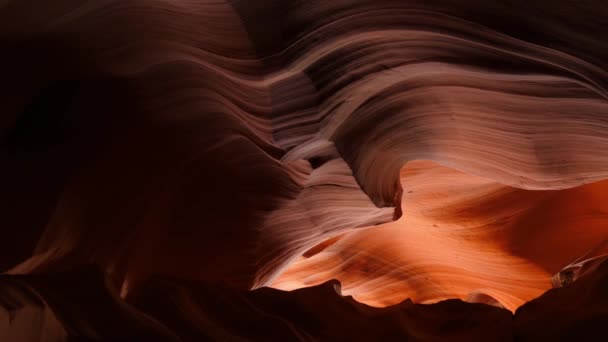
{"points": [[278, 170]]}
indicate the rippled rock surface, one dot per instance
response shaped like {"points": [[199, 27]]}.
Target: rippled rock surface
{"points": [[424, 170]]}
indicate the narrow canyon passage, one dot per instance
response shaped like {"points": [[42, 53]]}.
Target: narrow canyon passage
{"points": [[303, 170]]}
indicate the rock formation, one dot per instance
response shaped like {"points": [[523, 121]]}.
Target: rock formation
{"points": [[303, 170]]}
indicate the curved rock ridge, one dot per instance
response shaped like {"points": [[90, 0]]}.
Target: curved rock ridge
{"points": [[423, 150], [169, 309]]}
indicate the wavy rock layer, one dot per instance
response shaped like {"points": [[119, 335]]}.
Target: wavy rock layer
{"points": [[461, 235], [410, 149]]}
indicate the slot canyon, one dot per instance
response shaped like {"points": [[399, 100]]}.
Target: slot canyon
{"points": [[303, 170]]}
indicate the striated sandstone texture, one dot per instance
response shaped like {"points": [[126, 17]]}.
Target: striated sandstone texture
{"points": [[278, 170]]}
